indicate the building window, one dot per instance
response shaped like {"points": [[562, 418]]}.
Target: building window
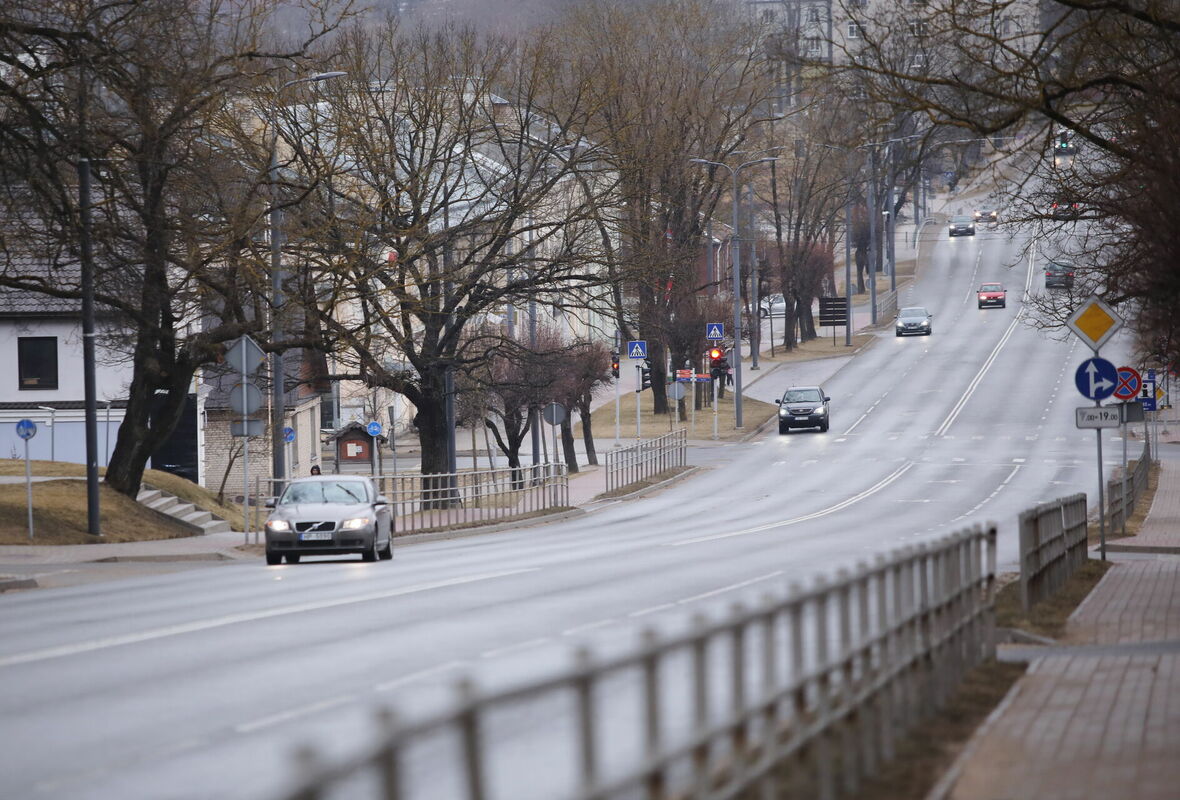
{"points": [[813, 16], [767, 15], [813, 45], [919, 29], [854, 30], [37, 362]]}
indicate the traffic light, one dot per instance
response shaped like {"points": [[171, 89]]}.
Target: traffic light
{"points": [[614, 365], [715, 355], [1062, 141], [644, 378]]}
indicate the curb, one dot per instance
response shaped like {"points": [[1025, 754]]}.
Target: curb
{"points": [[946, 784]]}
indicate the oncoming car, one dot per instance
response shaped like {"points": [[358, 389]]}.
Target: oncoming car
{"points": [[993, 294], [913, 320], [986, 216], [803, 407], [329, 515], [961, 226]]}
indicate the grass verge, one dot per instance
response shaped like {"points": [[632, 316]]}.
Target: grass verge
{"points": [[924, 755], [60, 516], [631, 488], [185, 489], [820, 347], [651, 425], [1048, 618]]}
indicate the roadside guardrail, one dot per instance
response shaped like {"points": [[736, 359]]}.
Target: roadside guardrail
{"points": [[1053, 545], [645, 459], [802, 696], [1123, 495], [445, 501]]}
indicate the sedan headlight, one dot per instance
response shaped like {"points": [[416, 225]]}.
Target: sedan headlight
{"points": [[820, 410], [782, 412], [355, 524], [278, 525], [926, 323]]}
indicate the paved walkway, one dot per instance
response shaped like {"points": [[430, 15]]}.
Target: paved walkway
{"points": [[1100, 719]]}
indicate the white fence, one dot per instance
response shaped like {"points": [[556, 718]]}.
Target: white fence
{"points": [[645, 459], [803, 696]]}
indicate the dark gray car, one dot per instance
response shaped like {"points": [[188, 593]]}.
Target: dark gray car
{"points": [[804, 407], [914, 320], [329, 515]]}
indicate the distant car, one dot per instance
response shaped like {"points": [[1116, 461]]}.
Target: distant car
{"points": [[986, 216], [914, 320], [1062, 210], [329, 515], [773, 305], [803, 407], [993, 294], [961, 226], [1058, 275]]}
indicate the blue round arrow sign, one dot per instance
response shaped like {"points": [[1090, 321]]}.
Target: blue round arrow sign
{"points": [[288, 435], [374, 428], [1096, 378], [26, 429]]}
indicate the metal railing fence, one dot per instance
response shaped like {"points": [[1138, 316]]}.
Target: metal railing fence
{"points": [[644, 459], [1053, 540], [886, 305], [444, 501], [802, 696], [1120, 506]]}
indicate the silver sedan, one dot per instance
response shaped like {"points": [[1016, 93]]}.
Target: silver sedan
{"points": [[329, 515]]}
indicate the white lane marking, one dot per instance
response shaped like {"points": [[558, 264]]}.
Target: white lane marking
{"points": [[589, 626], [971, 387], [515, 648], [897, 473], [730, 588], [294, 713], [862, 417], [643, 612], [446, 666], [246, 616]]}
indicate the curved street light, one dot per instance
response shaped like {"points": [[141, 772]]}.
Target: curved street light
{"points": [[278, 447], [734, 172]]}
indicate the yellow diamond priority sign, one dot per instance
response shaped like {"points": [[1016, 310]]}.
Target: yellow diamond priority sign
{"points": [[1094, 322]]}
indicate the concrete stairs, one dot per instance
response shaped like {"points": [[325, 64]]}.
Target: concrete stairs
{"points": [[169, 505]]}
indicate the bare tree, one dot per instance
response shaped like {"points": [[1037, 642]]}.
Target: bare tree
{"points": [[459, 186], [150, 94]]}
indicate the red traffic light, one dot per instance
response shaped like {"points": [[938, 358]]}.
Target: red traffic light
{"points": [[716, 353]]}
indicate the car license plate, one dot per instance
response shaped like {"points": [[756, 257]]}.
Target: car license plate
{"points": [[802, 416], [314, 537]]}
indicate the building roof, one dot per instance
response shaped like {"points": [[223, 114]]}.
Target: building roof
{"points": [[33, 274]]}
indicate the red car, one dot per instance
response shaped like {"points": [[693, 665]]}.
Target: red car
{"points": [[993, 294]]}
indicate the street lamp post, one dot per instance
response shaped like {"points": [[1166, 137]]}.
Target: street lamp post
{"points": [[278, 459], [734, 172]]}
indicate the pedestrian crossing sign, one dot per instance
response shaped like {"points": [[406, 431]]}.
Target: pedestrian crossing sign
{"points": [[714, 331], [637, 348]]}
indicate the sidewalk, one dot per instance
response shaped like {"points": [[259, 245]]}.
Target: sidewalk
{"points": [[1098, 716]]}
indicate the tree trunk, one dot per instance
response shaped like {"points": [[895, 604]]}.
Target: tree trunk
{"points": [[587, 434], [139, 434], [567, 445], [431, 421]]}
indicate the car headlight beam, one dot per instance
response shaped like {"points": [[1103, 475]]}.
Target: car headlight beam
{"points": [[278, 525], [355, 524]]}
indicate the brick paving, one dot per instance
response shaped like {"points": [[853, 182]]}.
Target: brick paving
{"points": [[1103, 721]]}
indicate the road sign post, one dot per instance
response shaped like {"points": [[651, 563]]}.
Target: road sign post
{"points": [[374, 430], [1097, 379], [26, 429], [638, 395]]}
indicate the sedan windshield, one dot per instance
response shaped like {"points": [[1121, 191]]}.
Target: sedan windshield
{"points": [[803, 396], [324, 492], [991, 287], [961, 220], [913, 312]]}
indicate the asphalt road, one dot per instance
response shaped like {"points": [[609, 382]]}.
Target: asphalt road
{"points": [[199, 684]]}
